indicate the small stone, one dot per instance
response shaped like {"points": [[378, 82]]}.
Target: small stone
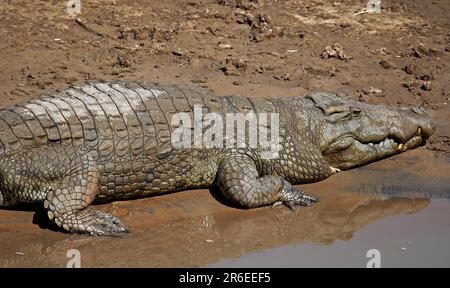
{"points": [[288, 32], [225, 46], [426, 86], [261, 28], [373, 91], [385, 64], [122, 62], [383, 51], [234, 67], [410, 69], [284, 77], [427, 77], [244, 17], [363, 98], [421, 51], [410, 84], [236, 83], [178, 52]]}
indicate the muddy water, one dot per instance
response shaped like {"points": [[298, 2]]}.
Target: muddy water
{"points": [[400, 206], [418, 239]]}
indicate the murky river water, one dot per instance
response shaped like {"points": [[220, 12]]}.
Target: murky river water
{"points": [[399, 206]]}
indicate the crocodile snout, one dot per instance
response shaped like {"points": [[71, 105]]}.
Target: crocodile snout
{"points": [[427, 126], [411, 122]]}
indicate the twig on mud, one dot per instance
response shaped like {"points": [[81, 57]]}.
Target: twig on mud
{"points": [[23, 91], [192, 30], [296, 16], [276, 54], [362, 12], [87, 28]]}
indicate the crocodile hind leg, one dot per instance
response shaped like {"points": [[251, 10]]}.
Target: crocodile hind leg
{"points": [[239, 181], [66, 180]]}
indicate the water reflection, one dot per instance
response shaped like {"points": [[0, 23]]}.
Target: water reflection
{"points": [[206, 239]]}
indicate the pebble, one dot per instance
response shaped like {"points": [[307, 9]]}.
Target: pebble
{"points": [[225, 46], [385, 64], [426, 86], [373, 91]]}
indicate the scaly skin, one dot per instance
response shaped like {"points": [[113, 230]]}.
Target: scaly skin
{"points": [[105, 141]]}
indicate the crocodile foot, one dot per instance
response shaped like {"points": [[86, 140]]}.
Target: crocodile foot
{"points": [[291, 196], [90, 221]]}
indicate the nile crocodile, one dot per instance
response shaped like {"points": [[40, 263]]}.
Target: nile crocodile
{"points": [[106, 141]]}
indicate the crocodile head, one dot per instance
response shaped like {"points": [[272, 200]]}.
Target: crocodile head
{"points": [[356, 133]]}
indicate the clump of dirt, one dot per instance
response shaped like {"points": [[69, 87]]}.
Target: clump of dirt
{"points": [[335, 51], [261, 28], [234, 67]]}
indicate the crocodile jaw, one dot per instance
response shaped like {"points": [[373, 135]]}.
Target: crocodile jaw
{"points": [[362, 153]]}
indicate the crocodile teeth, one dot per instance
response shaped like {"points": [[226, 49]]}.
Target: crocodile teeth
{"points": [[335, 170], [419, 131], [400, 147]]}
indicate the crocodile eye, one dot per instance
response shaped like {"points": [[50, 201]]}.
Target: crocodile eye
{"points": [[338, 116], [356, 112], [341, 112], [336, 110]]}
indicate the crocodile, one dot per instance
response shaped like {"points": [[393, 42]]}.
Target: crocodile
{"points": [[103, 141]]}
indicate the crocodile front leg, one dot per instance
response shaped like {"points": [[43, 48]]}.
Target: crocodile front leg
{"points": [[66, 180], [239, 181], [68, 202]]}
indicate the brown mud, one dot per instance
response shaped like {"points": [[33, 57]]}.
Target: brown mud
{"points": [[255, 48]]}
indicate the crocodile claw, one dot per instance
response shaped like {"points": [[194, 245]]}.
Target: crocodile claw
{"points": [[292, 197], [105, 224], [91, 221]]}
